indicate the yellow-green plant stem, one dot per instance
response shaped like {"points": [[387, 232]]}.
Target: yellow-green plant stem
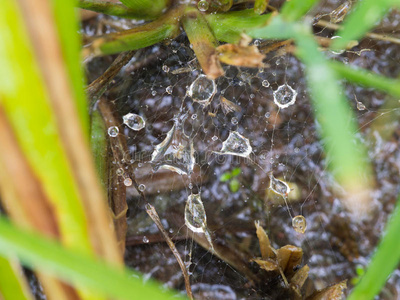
{"points": [[114, 9]]}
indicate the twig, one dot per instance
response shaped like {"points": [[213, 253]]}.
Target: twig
{"points": [[371, 35]]}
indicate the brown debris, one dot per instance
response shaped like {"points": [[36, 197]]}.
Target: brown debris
{"points": [[334, 292], [240, 55]]}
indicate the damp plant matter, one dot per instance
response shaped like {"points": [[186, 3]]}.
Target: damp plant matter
{"points": [[52, 185]]}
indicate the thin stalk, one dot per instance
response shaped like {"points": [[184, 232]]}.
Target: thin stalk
{"points": [[167, 26], [203, 42], [368, 79], [114, 9]]}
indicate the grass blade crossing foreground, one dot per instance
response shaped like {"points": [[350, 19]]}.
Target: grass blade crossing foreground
{"points": [[385, 260], [12, 282], [50, 257]]}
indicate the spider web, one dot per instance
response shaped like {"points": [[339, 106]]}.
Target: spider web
{"points": [[284, 141]]}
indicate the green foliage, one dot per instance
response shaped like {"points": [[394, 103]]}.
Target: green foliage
{"points": [[295, 9], [230, 177], [74, 267], [12, 283]]}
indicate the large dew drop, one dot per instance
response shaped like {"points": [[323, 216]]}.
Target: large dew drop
{"points": [[113, 131], [134, 121], [299, 224], [278, 186], [202, 90], [236, 144], [195, 214], [175, 152], [285, 96]]}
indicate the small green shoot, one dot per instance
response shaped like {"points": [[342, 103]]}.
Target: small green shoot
{"points": [[230, 177]]}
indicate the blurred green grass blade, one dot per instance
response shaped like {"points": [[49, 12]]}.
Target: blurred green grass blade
{"points": [[25, 100], [368, 79], [12, 283], [383, 262], [293, 10], [337, 126], [67, 25], [361, 19], [72, 267], [228, 27]]}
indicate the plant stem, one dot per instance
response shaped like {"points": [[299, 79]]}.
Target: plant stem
{"points": [[149, 7], [114, 9], [203, 42], [167, 26], [228, 27]]}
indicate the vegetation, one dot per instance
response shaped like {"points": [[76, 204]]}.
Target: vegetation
{"points": [[49, 185]]}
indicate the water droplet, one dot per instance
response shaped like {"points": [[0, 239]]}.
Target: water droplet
{"points": [[141, 187], [296, 150], [169, 89], [195, 214], [145, 240], [285, 96], [190, 186], [153, 93], [134, 121], [340, 12], [120, 171], [252, 96], [236, 144], [299, 224], [165, 68], [267, 115], [278, 186], [113, 131], [194, 117], [278, 62], [127, 181], [361, 106], [202, 5], [214, 138], [265, 83], [234, 121], [175, 152], [338, 52], [202, 90]]}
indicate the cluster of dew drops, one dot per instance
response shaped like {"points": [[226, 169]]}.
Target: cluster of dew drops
{"points": [[176, 151]]}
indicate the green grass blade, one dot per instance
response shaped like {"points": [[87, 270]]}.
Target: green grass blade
{"points": [[26, 103], [67, 26], [227, 27], [363, 17], [12, 283], [384, 261], [368, 79], [295, 9], [147, 7], [72, 267], [114, 9]]}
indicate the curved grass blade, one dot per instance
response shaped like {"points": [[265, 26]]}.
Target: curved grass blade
{"points": [[73, 267]]}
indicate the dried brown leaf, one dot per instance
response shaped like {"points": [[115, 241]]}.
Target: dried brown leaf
{"points": [[243, 56], [334, 292], [288, 257], [265, 245], [298, 279], [267, 264]]}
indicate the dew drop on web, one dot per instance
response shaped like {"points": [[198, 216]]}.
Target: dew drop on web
{"points": [[127, 181], [236, 144], [175, 152], [202, 5], [113, 131], [141, 187], [134, 121], [278, 186], [285, 96], [299, 224], [202, 90], [195, 214]]}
